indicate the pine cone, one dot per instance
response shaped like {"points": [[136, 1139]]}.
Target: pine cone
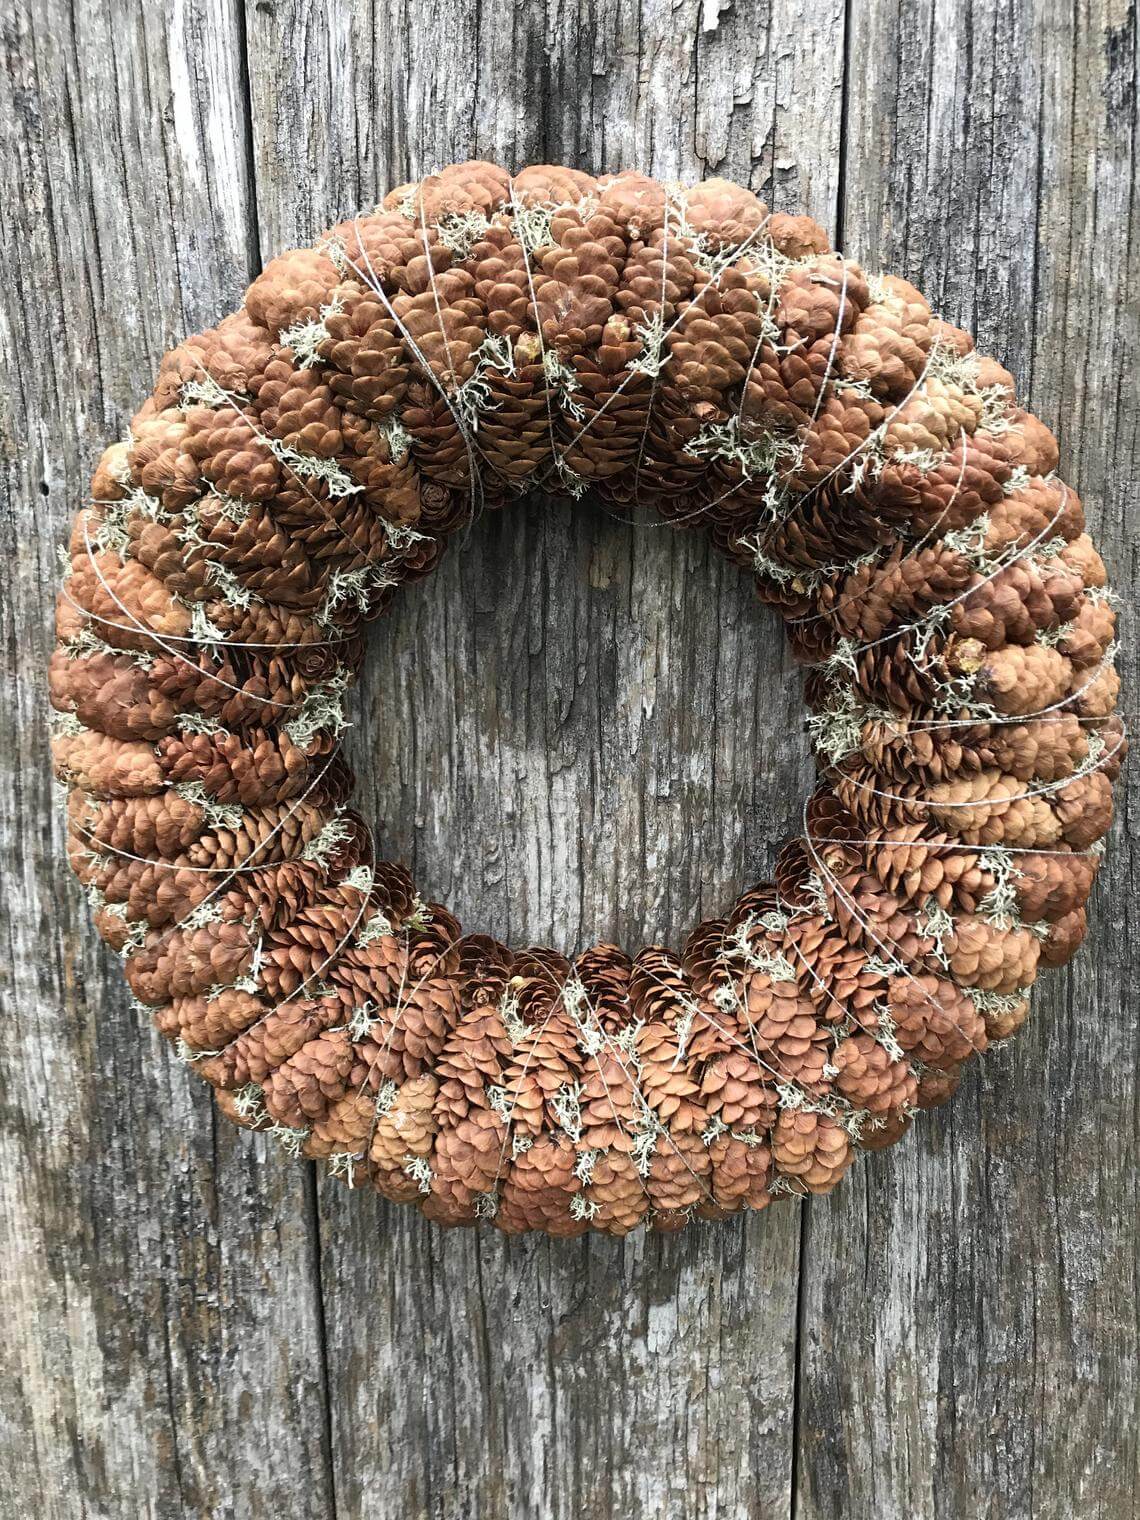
{"points": [[810, 1149]]}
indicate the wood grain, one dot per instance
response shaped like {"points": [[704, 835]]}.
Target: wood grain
{"points": [[194, 1327]]}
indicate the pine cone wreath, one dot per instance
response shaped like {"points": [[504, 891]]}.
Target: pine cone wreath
{"points": [[481, 335]]}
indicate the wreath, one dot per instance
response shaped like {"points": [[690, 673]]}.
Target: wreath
{"points": [[482, 335]]}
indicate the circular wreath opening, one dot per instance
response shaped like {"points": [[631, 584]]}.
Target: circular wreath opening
{"points": [[685, 350]]}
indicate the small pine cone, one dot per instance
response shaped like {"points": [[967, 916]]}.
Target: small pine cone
{"points": [[797, 237], [1017, 603], [256, 768], [734, 1090], [869, 1078], [303, 1088], [270, 1041], [717, 1026], [1017, 680], [209, 1023], [111, 693], [992, 958], [449, 1204], [345, 1128], [472, 1157], [935, 1021], [604, 973], [607, 1104], [724, 215], [664, 1080], [292, 288], [538, 1189], [937, 1087], [186, 962], [1064, 938], [373, 972], [1084, 809], [484, 970], [741, 1173], [474, 1058], [678, 1172], [244, 1115], [393, 893], [990, 808], [407, 1037], [404, 1133], [785, 1032], [833, 974], [298, 953], [616, 1192], [659, 988], [543, 1073], [703, 951], [106, 767], [880, 1133], [811, 1148], [889, 343], [1005, 1016]]}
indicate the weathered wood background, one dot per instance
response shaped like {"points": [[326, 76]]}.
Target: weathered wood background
{"points": [[577, 728]]}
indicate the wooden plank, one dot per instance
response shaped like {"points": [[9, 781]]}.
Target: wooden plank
{"points": [[576, 729], [161, 1350], [969, 1306]]}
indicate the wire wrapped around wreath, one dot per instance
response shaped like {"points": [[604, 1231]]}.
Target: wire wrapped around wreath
{"points": [[477, 337]]}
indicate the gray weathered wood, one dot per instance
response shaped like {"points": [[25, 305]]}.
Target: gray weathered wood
{"points": [[196, 1328]]}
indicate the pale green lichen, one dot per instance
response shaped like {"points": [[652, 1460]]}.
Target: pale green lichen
{"points": [[461, 230], [325, 844], [375, 927], [203, 390], [326, 472], [474, 396], [321, 710], [216, 815], [352, 590], [363, 1021], [249, 1103], [304, 339], [999, 906], [724, 442], [207, 912], [934, 923], [344, 1164], [653, 358], [563, 381], [386, 1096], [584, 1165], [532, 224], [567, 1109], [398, 437], [418, 1168]]}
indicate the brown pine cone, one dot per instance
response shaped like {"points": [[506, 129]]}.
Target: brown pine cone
{"points": [[303, 1088], [869, 1078], [403, 1133], [616, 1194], [741, 1173], [935, 1021], [811, 1150]]}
